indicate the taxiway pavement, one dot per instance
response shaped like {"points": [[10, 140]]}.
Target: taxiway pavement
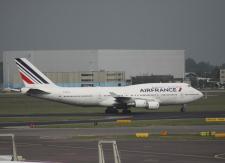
{"points": [[132, 151], [101, 117], [71, 132]]}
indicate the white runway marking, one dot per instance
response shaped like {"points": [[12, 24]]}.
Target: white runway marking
{"points": [[220, 156], [169, 154]]}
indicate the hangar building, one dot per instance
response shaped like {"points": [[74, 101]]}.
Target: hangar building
{"points": [[95, 67]]}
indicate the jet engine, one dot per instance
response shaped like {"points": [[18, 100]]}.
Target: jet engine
{"points": [[152, 105], [140, 103]]}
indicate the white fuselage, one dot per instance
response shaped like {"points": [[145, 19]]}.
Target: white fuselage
{"points": [[163, 93]]}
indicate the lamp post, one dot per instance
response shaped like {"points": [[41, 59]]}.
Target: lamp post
{"points": [[7, 62]]}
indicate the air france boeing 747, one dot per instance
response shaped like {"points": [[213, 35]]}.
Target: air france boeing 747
{"points": [[150, 96]]}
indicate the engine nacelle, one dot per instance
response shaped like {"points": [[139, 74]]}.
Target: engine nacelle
{"points": [[140, 103], [24, 90], [153, 105]]}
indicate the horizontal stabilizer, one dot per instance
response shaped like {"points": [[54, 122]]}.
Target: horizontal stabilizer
{"points": [[36, 92]]}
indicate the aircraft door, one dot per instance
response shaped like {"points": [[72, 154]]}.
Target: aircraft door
{"points": [[99, 97]]}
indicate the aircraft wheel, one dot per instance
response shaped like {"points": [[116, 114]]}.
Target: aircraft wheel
{"points": [[107, 111], [111, 110], [182, 110], [115, 111], [126, 111]]}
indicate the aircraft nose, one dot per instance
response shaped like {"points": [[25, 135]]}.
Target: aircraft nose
{"points": [[200, 94]]}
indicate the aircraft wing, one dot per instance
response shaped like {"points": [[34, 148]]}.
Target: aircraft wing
{"points": [[14, 90], [127, 100], [121, 99]]}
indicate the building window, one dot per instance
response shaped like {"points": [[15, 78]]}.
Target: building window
{"points": [[87, 85], [86, 74], [86, 80], [111, 74]]}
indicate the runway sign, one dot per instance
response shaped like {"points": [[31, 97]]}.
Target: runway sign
{"points": [[164, 133], [220, 135], [142, 135], [205, 133], [123, 121], [215, 119]]}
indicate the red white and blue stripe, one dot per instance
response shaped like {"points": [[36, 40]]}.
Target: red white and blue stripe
{"points": [[29, 74]]}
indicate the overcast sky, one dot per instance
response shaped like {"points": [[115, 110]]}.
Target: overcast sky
{"points": [[198, 26]]}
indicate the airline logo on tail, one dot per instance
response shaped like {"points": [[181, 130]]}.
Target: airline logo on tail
{"points": [[30, 74]]}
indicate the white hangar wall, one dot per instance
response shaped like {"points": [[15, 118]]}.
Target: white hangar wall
{"points": [[143, 62], [132, 62]]}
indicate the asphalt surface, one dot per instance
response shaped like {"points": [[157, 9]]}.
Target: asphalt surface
{"points": [[107, 118], [71, 132], [131, 151], [61, 145]]}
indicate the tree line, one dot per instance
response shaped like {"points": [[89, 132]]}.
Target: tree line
{"points": [[204, 69]]}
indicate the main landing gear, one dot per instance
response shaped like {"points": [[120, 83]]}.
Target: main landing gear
{"points": [[111, 110], [126, 111], [183, 108], [114, 110]]}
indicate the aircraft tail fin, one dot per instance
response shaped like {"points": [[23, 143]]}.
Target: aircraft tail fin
{"points": [[30, 75]]}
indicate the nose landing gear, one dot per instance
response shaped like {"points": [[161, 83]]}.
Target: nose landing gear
{"points": [[183, 108]]}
